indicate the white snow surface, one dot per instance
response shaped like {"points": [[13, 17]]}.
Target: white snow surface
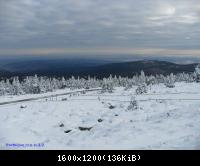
{"points": [[171, 123]]}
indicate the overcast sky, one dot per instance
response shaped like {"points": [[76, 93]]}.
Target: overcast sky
{"points": [[104, 26]]}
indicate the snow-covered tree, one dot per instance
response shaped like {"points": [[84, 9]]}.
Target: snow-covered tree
{"points": [[55, 83], [142, 78], [197, 73], [17, 88], [27, 85], [107, 86], [151, 80], [42, 85], [128, 85], [35, 84], [72, 83], [2, 88], [170, 80], [133, 105], [63, 83], [8, 86], [141, 89], [35, 89]]}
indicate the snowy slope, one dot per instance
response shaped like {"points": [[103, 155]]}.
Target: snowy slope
{"points": [[170, 123]]}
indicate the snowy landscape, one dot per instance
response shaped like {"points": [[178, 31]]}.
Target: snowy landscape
{"points": [[99, 75], [142, 112]]}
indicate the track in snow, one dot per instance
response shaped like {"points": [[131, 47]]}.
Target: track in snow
{"points": [[48, 96]]}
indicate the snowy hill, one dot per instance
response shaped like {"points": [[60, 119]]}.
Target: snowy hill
{"points": [[150, 67], [165, 118], [82, 68]]}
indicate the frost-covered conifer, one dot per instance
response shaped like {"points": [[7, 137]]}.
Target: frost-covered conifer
{"points": [[142, 77], [197, 73], [133, 104], [2, 88], [141, 89], [107, 85], [170, 80], [17, 89]]}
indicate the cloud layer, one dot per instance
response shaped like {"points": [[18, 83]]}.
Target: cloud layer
{"points": [[57, 24]]}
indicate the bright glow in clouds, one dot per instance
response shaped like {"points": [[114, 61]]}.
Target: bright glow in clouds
{"points": [[169, 10]]}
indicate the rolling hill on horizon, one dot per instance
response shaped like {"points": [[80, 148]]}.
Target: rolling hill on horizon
{"points": [[84, 68]]}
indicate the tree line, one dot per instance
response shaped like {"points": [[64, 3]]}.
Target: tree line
{"points": [[37, 85]]}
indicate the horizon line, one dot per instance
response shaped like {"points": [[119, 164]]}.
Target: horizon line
{"points": [[101, 51]]}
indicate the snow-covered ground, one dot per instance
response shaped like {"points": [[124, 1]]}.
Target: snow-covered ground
{"points": [[167, 118]]}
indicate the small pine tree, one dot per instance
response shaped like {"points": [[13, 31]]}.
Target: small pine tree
{"points": [[107, 86], [141, 89], [142, 77], [133, 104], [169, 81], [2, 88], [35, 88], [197, 73], [63, 83], [17, 88], [128, 86]]}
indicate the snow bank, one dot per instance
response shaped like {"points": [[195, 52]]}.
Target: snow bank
{"points": [[86, 121]]}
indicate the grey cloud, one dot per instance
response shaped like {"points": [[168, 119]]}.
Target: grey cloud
{"points": [[98, 23]]}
